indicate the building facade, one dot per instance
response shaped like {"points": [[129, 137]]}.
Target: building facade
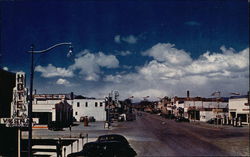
{"points": [[7, 83], [239, 108], [45, 110], [9, 134], [89, 107], [51, 107], [209, 113], [198, 108]]}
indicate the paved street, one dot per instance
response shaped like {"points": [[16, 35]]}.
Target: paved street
{"points": [[152, 135]]}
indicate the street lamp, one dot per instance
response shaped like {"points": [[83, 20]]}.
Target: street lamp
{"points": [[31, 86]]}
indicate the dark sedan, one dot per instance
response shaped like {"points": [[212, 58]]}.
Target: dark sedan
{"points": [[107, 146], [112, 137]]}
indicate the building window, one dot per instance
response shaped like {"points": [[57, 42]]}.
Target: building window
{"points": [[100, 104], [95, 104], [78, 104], [86, 104], [76, 113]]}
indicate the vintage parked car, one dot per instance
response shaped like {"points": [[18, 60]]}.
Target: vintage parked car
{"points": [[112, 137], [182, 119], [112, 145]]}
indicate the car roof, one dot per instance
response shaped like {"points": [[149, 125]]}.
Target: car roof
{"points": [[111, 135]]}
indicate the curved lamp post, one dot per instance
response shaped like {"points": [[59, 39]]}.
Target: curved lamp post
{"points": [[31, 86]]}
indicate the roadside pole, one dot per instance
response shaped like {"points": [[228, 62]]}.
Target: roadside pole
{"points": [[217, 120], [19, 142]]}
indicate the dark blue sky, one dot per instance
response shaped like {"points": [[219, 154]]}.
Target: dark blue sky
{"points": [[194, 26]]}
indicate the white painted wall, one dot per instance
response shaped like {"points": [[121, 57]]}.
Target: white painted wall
{"points": [[238, 105], [98, 112], [206, 104], [80, 109], [207, 115], [45, 106]]}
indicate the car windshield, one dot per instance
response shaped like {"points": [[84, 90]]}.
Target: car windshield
{"points": [[112, 138]]}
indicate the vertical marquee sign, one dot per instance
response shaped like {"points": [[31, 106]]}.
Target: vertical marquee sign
{"points": [[19, 105]]}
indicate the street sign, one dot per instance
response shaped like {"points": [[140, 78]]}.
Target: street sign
{"points": [[15, 122], [19, 105]]}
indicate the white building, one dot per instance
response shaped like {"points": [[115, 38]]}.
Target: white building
{"points": [[239, 107], [201, 109], [51, 107], [206, 103], [44, 107], [89, 107], [208, 113]]}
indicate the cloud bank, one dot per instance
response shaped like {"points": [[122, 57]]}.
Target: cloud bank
{"points": [[172, 71], [88, 64], [52, 71], [169, 72]]}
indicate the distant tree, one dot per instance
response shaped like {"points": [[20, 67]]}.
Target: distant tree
{"points": [[127, 102]]}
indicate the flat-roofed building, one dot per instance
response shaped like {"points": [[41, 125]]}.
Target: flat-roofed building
{"points": [[44, 107], [239, 107], [52, 107], [89, 107], [203, 109]]}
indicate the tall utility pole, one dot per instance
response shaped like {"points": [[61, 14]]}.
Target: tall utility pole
{"points": [[31, 88], [30, 102]]}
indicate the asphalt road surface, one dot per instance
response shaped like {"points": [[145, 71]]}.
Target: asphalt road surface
{"points": [[152, 135]]}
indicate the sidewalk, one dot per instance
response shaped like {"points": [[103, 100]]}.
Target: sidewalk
{"points": [[214, 126], [93, 129]]}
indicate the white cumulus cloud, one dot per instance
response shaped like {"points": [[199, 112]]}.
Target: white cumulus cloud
{"points": [[89, 64], [52, 71], [226, 62], [61, 81], [172, 71], [167, 53]]}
